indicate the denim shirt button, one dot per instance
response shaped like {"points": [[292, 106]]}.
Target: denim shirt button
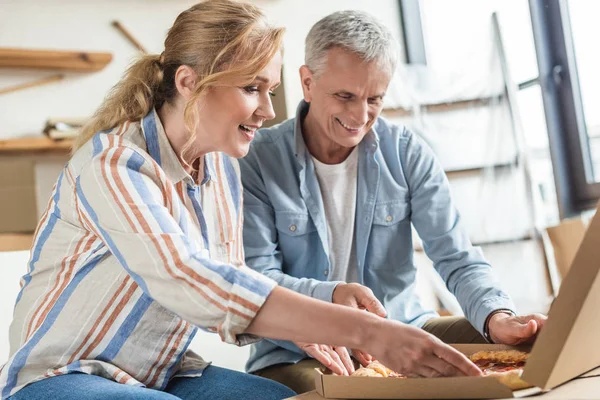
{"points": [[293, 228], [388, 218], [326, 272]]}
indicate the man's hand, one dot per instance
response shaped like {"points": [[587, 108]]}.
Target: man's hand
{"points": [[512, 330], [358, 296], [336, 358]]}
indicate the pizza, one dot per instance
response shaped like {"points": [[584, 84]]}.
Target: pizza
{"points": [[505, 365]]}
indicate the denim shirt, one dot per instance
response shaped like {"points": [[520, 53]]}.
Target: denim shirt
{"points": [[399, 183]]}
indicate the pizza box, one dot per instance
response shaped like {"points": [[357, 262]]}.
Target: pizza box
{"points": [[565, 349]]}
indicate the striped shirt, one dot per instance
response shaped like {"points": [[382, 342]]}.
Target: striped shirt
{"points": [[129, 259]]}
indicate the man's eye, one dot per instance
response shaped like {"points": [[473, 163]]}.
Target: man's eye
{"points": [[344, 96]]}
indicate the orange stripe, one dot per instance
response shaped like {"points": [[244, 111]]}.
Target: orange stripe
{"points": [[110, 321], [166, 193], [67, 278], [122, 379], [121, 187], [162, 351], [113, 170], [178, 263], [102, 314], [169, 356], [179, 189], [199, 278], [146, 228]]}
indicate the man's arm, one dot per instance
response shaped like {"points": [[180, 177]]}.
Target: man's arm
{"points": [[462, 266]]}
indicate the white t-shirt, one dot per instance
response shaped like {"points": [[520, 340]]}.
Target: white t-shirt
{"points": [[338, 189]]}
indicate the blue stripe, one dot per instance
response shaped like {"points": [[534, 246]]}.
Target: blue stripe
{"points": [[74, 366], [207, 174], [192, 193], [111, 244], [126, 328], [227, 272], [151, 135], [233, 181], [37, 250], [20, 358], [232, 275], [97, 144], [166, 223], [176, 363]]}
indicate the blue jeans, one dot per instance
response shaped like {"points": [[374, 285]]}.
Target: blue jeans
{"points": [[215, 383]]}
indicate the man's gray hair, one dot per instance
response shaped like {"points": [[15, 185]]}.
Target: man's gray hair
{"points": [[356, 31]]}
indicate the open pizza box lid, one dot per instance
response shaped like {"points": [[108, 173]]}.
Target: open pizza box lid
{"points": [[565, 349]]}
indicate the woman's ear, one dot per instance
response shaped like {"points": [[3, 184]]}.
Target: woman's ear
{"points": [[186, 80]]}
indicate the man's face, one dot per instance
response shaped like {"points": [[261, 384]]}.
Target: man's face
{"points": [[345, 98]]}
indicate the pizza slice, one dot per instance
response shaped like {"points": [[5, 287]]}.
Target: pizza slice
{"points": [[505, 365]]}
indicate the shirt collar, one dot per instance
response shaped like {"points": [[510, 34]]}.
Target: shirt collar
{"points": [[159, 148]]}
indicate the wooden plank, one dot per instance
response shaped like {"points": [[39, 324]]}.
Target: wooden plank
{"points": [[54, 59], [442, 107], [39, 144], [38, 82]]}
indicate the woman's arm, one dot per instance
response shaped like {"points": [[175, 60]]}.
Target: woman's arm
{"points": [[406, 349]]}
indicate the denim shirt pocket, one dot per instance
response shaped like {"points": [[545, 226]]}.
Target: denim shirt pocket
{"points": [[294, 224], [298, 242], [390, 242], [390, 213]]}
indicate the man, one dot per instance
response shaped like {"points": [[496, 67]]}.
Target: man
{"points": [[329, 199]]}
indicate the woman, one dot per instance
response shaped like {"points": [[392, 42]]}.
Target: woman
{"points": [[141, 240]]}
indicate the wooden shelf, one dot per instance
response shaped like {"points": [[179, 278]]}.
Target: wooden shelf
{"points": [[38, 144], [80, 61], [442, 107]]}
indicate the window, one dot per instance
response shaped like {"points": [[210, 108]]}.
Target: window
{"points": [[566, 32]]}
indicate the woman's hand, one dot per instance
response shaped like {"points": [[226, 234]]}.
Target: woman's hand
{"points": [[415, 353]]}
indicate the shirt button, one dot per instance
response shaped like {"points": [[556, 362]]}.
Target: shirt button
{"points": [[326, 272], [293, 228], [388, 218]]}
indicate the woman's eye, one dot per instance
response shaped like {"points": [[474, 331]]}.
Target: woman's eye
{"points": [[251, 89], [272, 93]]}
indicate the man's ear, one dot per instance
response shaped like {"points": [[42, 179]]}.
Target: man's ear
{"points": [[307, 80], [186, 80]]}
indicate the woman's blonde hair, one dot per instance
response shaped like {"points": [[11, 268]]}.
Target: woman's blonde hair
{"points": [[226, 42]]}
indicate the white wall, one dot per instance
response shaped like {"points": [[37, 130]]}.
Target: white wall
{"points": [[86, 25]]}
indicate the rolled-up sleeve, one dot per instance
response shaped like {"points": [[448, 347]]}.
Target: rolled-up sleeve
{"points": [[126, 200], [462, 266]]}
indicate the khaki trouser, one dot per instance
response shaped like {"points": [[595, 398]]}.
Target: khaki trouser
{"points": [[300, 377]]}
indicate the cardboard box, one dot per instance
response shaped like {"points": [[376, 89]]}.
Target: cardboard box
{"points": [[487, 387], [17, 195], [565, 239], [566, 348]]}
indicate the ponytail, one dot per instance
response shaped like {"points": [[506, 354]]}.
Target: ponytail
{"points": [[129, 100]]}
